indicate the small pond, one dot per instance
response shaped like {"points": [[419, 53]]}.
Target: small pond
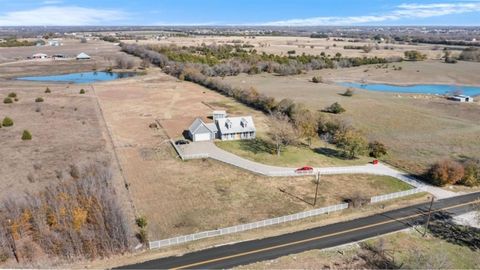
{"points": [[417, 88], [81, 77]]}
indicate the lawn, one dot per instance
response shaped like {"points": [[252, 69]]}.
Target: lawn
{"points": [[335, 189], [319, 154]]}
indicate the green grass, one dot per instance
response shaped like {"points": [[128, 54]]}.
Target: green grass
{"points": [[388, 183], [319, 154]]}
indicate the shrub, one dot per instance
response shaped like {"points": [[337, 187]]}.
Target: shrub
{"points": [[349, 92], [141, 222], [74, 171], [82, 91], [335, 108], [12, 95], [39, 99], [415, 56], [26, 136], [317, 79], [352, 142], [7, 100], [142, 236], [377, 149], [471, 175], [446, 172], [47, 91], [7, 122]]}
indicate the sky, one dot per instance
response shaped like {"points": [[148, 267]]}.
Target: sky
{"points": [[239, 12]]}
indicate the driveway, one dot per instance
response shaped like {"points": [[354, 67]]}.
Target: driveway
{"points": [[210, 150]]}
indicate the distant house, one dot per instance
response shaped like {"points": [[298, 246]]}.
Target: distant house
{"points": [[223, 128], [39, 56], [54, 43], [83, 56], [462, 98]]}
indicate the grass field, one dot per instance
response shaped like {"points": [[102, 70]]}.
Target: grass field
{"points": [[183, 197], [307, 45], [319, 154], [418, 129], [408, 249]]}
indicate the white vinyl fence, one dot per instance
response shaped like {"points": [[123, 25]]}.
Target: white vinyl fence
{"points": [[395, 195], [323, 171], [245, 227]]}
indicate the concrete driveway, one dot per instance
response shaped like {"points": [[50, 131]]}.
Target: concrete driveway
{"points": [[210, 150]]}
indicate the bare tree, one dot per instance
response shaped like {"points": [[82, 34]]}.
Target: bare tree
{"points": [[282, 131]]}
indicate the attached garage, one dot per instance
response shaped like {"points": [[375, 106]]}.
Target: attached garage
{"points": [[200, 132], [199, 137]]}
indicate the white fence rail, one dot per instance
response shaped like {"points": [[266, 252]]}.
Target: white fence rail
{"points": [[395, 195], [247, 226]]}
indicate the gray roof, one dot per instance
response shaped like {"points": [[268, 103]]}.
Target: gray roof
{"points": [[212, 127], [198, 127], [83, 56], [237, 124]]}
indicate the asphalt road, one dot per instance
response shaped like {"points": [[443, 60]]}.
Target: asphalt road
{"points": [[317, 238]]}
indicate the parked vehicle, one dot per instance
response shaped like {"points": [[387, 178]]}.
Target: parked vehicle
{"points": [[304, 169], [375, 162], [182, 142]]}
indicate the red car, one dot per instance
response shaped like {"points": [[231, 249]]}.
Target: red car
{"points": [[304, 169]]}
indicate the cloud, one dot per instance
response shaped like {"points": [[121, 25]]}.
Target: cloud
{"points": [[57, 15], [403, 11]]}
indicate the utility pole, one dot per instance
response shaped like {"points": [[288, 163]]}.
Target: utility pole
{"points": [[429, 216], [316, 189], [12, 240]]}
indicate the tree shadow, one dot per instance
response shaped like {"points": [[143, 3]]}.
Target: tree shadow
{"points": [[257, 146], [332, 153], [445, 228], [295, 196]]}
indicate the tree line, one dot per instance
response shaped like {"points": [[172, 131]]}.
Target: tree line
{"points": [[230, 60]]}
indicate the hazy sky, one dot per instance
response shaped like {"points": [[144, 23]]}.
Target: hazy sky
{"points": [[239, 12]]}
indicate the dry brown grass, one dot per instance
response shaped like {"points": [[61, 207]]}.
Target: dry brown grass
{"points": [[418, 129], [66, 130], [281, 45], [183, 197]]}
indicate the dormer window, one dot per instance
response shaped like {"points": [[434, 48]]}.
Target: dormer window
{"points": [[244, 122], [228, 124]]}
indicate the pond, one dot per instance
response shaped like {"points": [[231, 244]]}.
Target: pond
{"points": [[81, 77], [440, 89]]}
